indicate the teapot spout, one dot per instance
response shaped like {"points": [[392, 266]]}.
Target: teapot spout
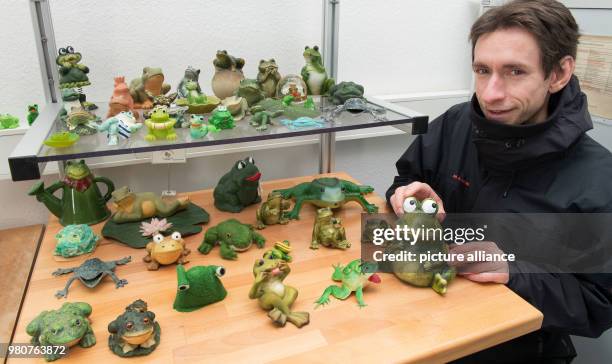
{"points": [[46, 196]]}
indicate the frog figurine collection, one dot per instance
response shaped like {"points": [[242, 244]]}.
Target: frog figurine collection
{"points": [[198, 287], [160, 125], [135, 332], [328, 231], [437, 275], [66, 326], [272, 294], [239, 187]]}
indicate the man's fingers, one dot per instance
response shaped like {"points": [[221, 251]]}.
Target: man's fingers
{"points": [[480, 267], [488, 277], [485, 246]]}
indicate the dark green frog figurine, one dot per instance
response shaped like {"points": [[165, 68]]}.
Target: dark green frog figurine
{"points": [[239, 187], [135, 332]]}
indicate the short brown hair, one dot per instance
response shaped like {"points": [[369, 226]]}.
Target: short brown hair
{"points": [[549, 21]]}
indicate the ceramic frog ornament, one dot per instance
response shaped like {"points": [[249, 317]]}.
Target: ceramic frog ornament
{"points": [[75, 240], [191, 75], [135, 332], [250, 90], [72, 74], [437, 275], [314, 73], [133, 206], [233, 236], [272, 294], [222, 118], [328, 231], [239, 187], [67, 326], [166, 250], [268, 77], [198, 287], [160, 125], [92, 272], [354, 277], [327, 192], [152, 80], [272, 211]]}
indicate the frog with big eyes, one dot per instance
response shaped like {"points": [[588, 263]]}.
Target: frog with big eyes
{"points": [[422, 215]]}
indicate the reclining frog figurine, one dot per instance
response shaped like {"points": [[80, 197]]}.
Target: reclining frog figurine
{"points": [[135, 332], [68, 325], [328, 231], [437, 275], [272, 211], [327, 192], [272, 294], [139, 206]]}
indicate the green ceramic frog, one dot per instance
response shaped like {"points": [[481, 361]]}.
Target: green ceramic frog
{"points": [[437, 275], [328, 231], [75, 240], [239, 187], [67, 326], [72, 74], [250, 90], [272, 294], [135, 332], [233, 236], [354, 277], [160, 125], [8, 121], [222, 118], [314, 73], [198, 287], [272, 211]]}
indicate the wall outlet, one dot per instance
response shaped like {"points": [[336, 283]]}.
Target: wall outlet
{"points": [[169, 156]]}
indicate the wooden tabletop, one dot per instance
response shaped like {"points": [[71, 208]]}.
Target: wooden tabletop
{"points": [[400, 323]]}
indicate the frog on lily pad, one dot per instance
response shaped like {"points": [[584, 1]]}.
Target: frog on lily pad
{"points": [[75, 240], [233, 236]]}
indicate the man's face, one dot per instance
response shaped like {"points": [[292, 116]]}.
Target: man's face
{"points": [[511, 87]]}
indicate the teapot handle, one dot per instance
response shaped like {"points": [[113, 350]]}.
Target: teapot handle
{"points": [[110, 187]]}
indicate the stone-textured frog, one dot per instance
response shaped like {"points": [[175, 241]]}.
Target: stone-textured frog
{"points": [[75, 240], [268, 77], [437, 275], [249, 89], [272, 294], [152, 80], [80, 121], [314, 73], [67, 326], [261, 119], [72, 74], [338, 94], [272, 211], [135, 332], [222, 118], [354, 277], [327, 192], [228, 74], [328, 231], [160, 125], [165, 251], [133, 206], [198, 287], [193, 75], [91, 272], [233, 236], [239, 187]]}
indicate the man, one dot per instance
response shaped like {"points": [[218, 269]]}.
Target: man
{"points": [[520, 146]]}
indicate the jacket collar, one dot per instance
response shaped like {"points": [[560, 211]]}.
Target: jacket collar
{"points": [[513, 147]]}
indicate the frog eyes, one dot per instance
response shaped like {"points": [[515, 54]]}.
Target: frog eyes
{"points": [[316, 48], [69, 49], [129, 325], [62, 51], [220, 271], [145, 320], [241, 165], [410, 204], [250, 160], [429, 206], [158, 238], [176, 235], [260, 262], [77, 323]]}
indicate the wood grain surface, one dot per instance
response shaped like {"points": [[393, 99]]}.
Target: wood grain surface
{"points": [[400, 323]]}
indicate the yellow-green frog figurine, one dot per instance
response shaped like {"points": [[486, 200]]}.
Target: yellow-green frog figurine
{"points": [[160, 125], [273, 295], [328, 231], [272, 211]]}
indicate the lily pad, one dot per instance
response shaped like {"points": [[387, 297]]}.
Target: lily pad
{"points": [[187, 222]]}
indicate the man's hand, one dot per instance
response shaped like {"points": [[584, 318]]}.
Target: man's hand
{"points": [[480, 271], [418, 190]]}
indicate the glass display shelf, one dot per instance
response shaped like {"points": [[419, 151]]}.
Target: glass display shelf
{"points": [[25, 159]]}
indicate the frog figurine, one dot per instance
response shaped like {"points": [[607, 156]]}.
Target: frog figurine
{"points": [[72, 74], [272, 211], [328, 231], [340, 93], [160, 125], [239, 187], [314, 73], [191, 75], [354, 277], [228, 74], [135, 332], [121, 100], [272, 294], [233, 236], [32, 113], [250, 90], [66, 326], [75, 240], [437, 275], [198, 287], [131, 206], [152, 80], [8, 121], [268, 77], [121, 125], [197, 126], [165, 251], [222, 118]]}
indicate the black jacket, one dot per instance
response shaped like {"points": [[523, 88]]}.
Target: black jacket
{"points": [[478, 165]]}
